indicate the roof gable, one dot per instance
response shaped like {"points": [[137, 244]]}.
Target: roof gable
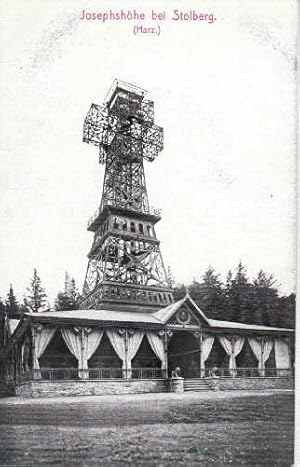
{"points": [[183, 312]]}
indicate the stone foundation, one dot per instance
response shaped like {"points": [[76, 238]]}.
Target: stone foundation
{"points": [[260, 383], [105, 387], [90, 387]]}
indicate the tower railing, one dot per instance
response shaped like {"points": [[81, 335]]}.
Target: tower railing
{"points": [[154, 211]]}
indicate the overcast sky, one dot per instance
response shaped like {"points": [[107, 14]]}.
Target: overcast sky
{"points": [[225, 95]]}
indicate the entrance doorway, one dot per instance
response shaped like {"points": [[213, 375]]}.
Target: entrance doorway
{"points": [[183, 352]]}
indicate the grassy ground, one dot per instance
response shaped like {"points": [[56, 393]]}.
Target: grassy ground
{"points": [[236, 428]]}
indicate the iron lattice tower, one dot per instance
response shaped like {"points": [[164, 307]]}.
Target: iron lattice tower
{"points": [[125, 269]]}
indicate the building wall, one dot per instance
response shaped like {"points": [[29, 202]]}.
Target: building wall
{"points": [[89, 388]]}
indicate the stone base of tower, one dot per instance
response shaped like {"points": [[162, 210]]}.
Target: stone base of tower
{"points": [[127, 297]]}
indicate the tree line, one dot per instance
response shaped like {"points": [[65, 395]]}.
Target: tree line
{"points": [[35, 300], [240, 299]]}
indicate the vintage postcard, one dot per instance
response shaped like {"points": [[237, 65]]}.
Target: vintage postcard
{"points": [[148, 232]]}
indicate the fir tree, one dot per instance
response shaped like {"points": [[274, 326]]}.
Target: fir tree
{"points": [[265, 299], [67, 300], [11, 304], [208, 294], [240, 300], [263, 281], [211, 294], [67, 282], [170, 277], [37, 298], [228, 285], [73, 291], [195, 291], [22, 307], [286, 311], [179, 292], [64, 302], [240, 296]]}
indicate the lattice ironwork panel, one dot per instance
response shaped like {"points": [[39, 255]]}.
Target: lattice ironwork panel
{"points": [[126, 261]]}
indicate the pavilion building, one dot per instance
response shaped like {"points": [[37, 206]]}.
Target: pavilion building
{"points": [[129, 334]]}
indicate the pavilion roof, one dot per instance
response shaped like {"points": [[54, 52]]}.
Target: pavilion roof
{"points": [[216, 323], [156, 319], [108, 316]]}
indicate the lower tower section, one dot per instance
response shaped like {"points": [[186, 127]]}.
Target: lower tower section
{"points": [[125, 269]]}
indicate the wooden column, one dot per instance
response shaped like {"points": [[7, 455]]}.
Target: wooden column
{"points": [[202, 370], [166, 353], [35, 371], [82, 373], [18, 358], [232, 357], [168, 335], [290, 352], [13, 363], [126, 373], [198, 336], [261, 369]]}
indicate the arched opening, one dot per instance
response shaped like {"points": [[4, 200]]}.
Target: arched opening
{"points": [[246, 360], [145, 357], [183, 352], [105, 356], [217, 357], [270, 364], [57, 362], [105, 363], [145, 364]]}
